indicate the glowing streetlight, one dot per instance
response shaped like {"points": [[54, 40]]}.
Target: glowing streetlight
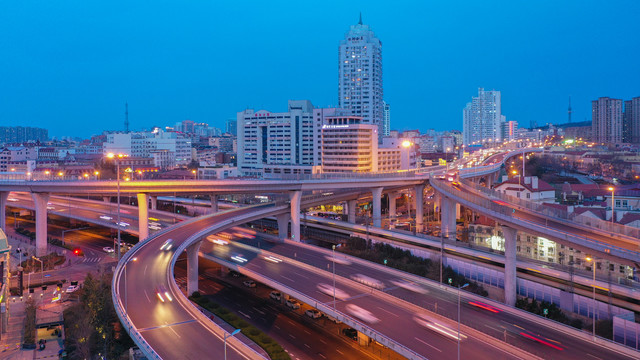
{"points": [[613, 194], [117, 159], [593, 266], [406, 143]]}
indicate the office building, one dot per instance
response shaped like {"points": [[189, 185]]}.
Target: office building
{"points": [[231, 127], [284, 142], [482, 118], [349, 145], [360, 75], [606, 120], [169, 149]]}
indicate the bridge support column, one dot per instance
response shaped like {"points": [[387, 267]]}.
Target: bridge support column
{"points": [[419, 189], [392, 208], [40, 200], [214, 203], [376, 193], [192, 268], [283, 226], [4, 195], [448, 217], [143, 216], [352, 205], [106, 199], [295, 197], [509, 265], [154, 203]]}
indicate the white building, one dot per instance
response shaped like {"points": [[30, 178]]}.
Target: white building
{"points": [[386, 119], [360, 75], [142, 144], [11, 154], [217, 172], [530, 188], [397, 154], [482, 118], [278, 139], [348, 145]]}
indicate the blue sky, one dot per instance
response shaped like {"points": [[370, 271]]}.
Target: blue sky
{"points": [[69, 66]]}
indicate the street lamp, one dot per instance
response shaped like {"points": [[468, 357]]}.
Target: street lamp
{"points": [[117, 159], [593, 266], [97, 173], [333, 248], [459, 288], [613, 194], [195, 174], [225, 341]]}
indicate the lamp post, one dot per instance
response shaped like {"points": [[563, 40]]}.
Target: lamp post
{"points": [[459, 288], [225, 341], [66, 231], [613, 204], [117, 159], [593, 266]]}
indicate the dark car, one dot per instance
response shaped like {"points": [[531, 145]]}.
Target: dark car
{"points": [[350, 333], [234, 273]]}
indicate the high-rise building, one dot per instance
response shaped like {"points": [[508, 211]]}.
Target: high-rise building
{"points": [[269, 142], [482, 118], [20, 134], [231, 127], [386, 119], [606, 120], [632, 120], [360, 75]]}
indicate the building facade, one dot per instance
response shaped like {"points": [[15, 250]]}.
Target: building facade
{"points": [[20, 134], [606, 120], [143, 144], [349, 145], [482, 118], [360, 75], [632, 120], [386, 119]]}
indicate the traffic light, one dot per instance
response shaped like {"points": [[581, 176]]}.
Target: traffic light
{"points": [[77, 252]]}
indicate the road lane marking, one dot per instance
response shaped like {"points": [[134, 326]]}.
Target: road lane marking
{"points": [[245, 315], [340, 352], [595, 357], [284, 277], [491, 327], [293, 337], [324, 357], [147, 296], [170, 328], [261, 312], [307, 332], [167, 325], [276, 326], [322, 341], [309, 347], [387, 311], [429, 345]]}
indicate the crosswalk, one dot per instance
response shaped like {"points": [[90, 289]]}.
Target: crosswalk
{"points": [[91, 259]]}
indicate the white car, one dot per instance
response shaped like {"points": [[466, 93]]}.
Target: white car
{"points": [[72, 288], [329, 290], [338, 260], [123, 224], [108, 249], [275, 295], [408, 285], [106, 217], [362, 314], [432, 324], [154, 227], [313, 313], [293, 304]]}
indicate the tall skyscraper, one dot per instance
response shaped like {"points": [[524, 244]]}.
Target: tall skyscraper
{"points": [[360, 74], [482, 118], [632, 120], [606, 120], [386, 119]]}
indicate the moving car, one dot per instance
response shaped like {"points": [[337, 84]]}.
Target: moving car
{"points": [[329, 290], [108, 249], [163, 294], [275, 295], [362, 314], [167, 245], [250, 283], [293, 304], [72, 288]]}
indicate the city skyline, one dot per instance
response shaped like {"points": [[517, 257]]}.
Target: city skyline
{"points": [[72, 68]]}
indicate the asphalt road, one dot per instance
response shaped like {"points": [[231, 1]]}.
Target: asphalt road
{"points": [[518, 330]]}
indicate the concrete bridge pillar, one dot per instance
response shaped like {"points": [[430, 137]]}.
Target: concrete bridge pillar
{"points": [[419, 189], [106, 199], [214, 203], [376, 193], [283, 225], [295, 197], [192, 267], [154, 203], [393, 196], [143, 216], [352, 205], [40, 201], [4, 195], [509, 265], [448, 217]]}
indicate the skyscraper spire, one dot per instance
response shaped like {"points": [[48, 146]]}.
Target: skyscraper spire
{"points": [[360, 22]]}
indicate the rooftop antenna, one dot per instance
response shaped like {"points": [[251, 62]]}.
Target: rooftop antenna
{"points": [[569, 111], [360, 22], [126, 116]]}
